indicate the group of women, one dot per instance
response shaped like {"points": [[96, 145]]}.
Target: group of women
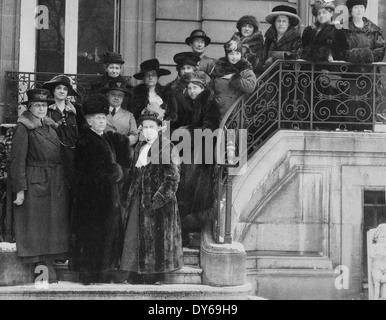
{"points": [[89, 180]]}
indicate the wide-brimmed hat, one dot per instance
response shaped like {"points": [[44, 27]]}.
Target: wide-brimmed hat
{"points": [[187, 58], [151, 65], [115, 85], [322, 4], [95, 104], [284, 10], [198, 34], [112, 57], [199, 77], [38, 95], [150, 115], [352, 3], [60, 80], [247, 19]]}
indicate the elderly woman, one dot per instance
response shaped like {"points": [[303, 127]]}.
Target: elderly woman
{"points": [[64, 114], [252, 40], [232, 76], [150, 94], [96, 214], [152, 245], [282, 39], [37, 179]]}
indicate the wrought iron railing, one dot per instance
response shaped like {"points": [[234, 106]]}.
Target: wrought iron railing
{"points": [[299, 95]]}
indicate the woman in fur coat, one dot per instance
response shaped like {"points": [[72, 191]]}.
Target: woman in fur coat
{"points": [[150, 94], [96, 213], [152, 245], [252, 41], [232, 76]]}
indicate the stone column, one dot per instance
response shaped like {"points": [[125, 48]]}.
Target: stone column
{"points": [[9, 46]]}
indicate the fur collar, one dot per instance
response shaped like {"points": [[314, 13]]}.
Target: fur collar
{"points": [[253, 40], [289, 36], [368, 27], [32, 123], [203, 98], [141, 92], [224, 67]]}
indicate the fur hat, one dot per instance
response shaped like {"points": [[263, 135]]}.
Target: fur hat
{"points": [[38, 95], [96, 103], [60, 80], [112, 57], [351, 3], [199, 77], [247, 20], [151, 65], [187, 58], [284, 10], [233, 45], [151, 115], [198, 34], [320, 4]]}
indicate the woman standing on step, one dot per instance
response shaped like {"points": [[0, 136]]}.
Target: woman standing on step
{"points": [[153, 245], [37, 179]]}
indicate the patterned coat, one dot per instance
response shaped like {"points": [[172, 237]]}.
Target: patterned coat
{"points": [[158, 228], [41, 223]]}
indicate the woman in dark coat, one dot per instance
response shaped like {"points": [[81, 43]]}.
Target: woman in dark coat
{"points": [[152, 245], [64, 114], [282, 39], [96, 214], [37, 179], [149, 94], [252, 40]]}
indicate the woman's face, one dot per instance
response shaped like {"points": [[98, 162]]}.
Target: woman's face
{"points": [[358, 11], [324, 16], [282, 24], [39, 109], [60, 92], [150, 130], [186, 69], [114, 70], [115, 98], [150, 78], [247, 30], [234, 57], [97, 122], [194, 90]]}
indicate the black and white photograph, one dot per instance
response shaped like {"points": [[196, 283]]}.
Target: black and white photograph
{"points": [[211, 151]]}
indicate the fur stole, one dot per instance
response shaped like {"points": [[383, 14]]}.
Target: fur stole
{"points": [[224, 67], [255, 40], [32, 123]]}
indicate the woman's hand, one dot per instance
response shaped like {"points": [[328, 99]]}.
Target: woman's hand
{"points": [[19, 198]]}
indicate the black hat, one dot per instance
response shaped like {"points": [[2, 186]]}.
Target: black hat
{"points": [[351, 3], [322, 4], [58, 80], [187, 58], [151, 65], [38, 95], [115, 85], [247, 20], [112, 57], [198, 34], [283, 10], [150, 115], [96, 103], [199, 77]]}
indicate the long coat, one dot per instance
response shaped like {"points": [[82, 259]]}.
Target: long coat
{"points": [[367, 45], [206, 64], [152, 198], [254, 49], [41, 223], [291, 43], [242, 81], [96, 214], [124, 123]]}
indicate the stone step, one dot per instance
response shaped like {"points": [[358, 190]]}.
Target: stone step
{"points": [[75, 291], [191, 257]]}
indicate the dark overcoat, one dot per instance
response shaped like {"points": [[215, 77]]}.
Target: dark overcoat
{"points": [[158, 227], [41, 223], [96, 211]]}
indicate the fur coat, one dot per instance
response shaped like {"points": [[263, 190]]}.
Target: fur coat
{"points": [[252, 49], [318, 46], [96, 210], [152, 198], [243, 80], [141, 98]]}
